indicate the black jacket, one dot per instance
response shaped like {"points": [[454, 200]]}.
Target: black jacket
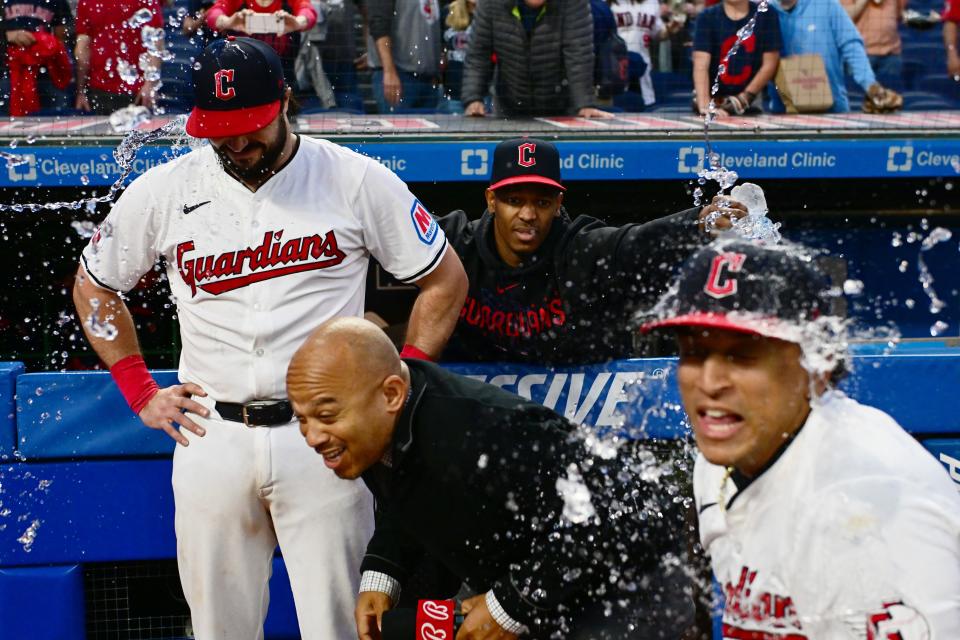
{"points": [[573, 301], [546, 72], [473, 484]]}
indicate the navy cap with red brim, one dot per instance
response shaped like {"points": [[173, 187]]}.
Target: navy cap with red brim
{"points": [[708, 320], [226, 124], [527, 179]]}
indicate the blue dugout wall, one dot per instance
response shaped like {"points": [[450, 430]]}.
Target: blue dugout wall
{"points": [[97, 483]]}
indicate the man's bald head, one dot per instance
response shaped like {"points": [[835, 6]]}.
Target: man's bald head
{"points": [[346, 347], [347, 386]]}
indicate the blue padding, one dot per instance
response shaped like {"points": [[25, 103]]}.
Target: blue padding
{"points": [[947, 451], [919, 391], [83, 415], [8, 408], [64, 415], [638, 395], [42, 603], [88, 511], [281, 622]]}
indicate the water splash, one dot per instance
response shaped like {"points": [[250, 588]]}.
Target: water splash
{"points": [[123, 155], [13, 159], [103, 329], [577, 507], [129, 118], [936, 236], [713, 169], [139, 17], [29, 536], [84, 228]]}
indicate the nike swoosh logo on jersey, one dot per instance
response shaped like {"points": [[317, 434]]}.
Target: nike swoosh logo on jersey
{"points": [[187, 209], [501, 290], [707, 506]]}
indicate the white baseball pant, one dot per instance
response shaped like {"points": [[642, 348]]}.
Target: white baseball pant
{"points": [[240, 491]]}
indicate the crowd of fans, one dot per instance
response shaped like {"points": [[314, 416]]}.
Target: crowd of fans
{"points": [[479, 57]]}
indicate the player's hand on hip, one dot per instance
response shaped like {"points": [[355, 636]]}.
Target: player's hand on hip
{"points": [[368, 614], [478, 623], [167, 407], [723, 210]]}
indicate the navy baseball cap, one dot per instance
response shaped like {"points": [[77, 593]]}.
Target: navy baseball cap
{"points": [[238, 86], [746, 287], [524, 161]]}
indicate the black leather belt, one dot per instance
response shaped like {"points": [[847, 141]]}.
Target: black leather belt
{"points": [[258, 413]]}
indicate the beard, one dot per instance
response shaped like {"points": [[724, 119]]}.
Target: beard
{"points": [[262, 168]]}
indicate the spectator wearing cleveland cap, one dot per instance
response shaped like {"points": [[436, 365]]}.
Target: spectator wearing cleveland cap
{"points": [[823, 518], [546, 289], [265, 234]]}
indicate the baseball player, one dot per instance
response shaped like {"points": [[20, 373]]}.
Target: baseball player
{"points": [[265, 235], [822, 516]]}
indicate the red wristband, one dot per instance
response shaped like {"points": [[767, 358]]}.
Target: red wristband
{"points": [[410, 351], [135, 382]]}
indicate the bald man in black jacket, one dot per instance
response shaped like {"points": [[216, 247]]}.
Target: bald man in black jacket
{"points": [[504, 493]]}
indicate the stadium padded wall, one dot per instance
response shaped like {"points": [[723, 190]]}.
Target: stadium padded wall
{"points": [[90, 485]]}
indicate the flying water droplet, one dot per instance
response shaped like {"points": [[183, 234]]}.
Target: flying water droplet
{"points": [[104, 330], [139, 17], [938, 327]]}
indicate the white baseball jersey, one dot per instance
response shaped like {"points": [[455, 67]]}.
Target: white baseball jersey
{"points": [[254, 272], [638, 23], [852, 532]]}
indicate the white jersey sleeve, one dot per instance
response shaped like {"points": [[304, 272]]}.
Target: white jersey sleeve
{"points": [[398, 230], [883, 561], [124, 248]]}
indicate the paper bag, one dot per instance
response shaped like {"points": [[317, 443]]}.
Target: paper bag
{"points": [[803, 84]]}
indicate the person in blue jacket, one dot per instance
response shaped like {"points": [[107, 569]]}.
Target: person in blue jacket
{"points": [[824, 28]]}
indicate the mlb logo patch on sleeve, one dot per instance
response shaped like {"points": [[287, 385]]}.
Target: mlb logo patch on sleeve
{"points": [[423, 222]]}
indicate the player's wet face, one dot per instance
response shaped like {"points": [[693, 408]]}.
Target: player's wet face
{"points": [[345, 420], [744, 394], [252, 156], [522, 217]]}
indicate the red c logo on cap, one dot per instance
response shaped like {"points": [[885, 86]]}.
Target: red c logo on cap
{"points": [[526, 151], [717, 286], [221, 88]]}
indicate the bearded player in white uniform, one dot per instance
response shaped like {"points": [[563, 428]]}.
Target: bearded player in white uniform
{"points": [[823, 518], [265, 235]]}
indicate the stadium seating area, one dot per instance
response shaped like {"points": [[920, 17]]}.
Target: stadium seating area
{"points": [[926, 84]]}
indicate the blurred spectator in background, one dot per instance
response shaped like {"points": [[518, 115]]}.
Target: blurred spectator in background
{"points": [[112, 70], [37, 60], [951, 18], [878, 22], [823, 27], [195, 26], [737, 90], [611, 65], [456, 38], [639, 23], [338, 49], [544, 58], [273, 21], [404, 50]]}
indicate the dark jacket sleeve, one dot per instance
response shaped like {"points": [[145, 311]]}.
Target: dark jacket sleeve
{"points": [[478, 67], [391, 550], [578, 51], [635, 262], [380, 18]]}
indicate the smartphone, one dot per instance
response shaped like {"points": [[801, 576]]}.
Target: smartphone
{"points": [[263, 23]]}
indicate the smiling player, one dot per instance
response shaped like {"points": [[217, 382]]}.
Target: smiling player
{"points": [[823, 517]]}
